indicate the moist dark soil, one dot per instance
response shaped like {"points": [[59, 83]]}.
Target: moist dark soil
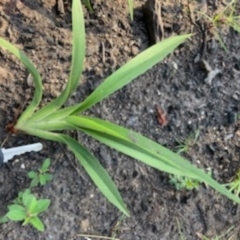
{"points": [[178, 85]]}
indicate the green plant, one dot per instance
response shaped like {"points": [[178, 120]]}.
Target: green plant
{"points": [[26, 208], [180, 182], [49, 121], [221, 237], [234, 185], [87, 3], [226, 17], [116, 227], [179, 230], [184, 146], [130, 5], [42, 176]]}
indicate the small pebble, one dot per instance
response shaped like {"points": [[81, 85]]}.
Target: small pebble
{"points": [[132, 121], [23, 166]]}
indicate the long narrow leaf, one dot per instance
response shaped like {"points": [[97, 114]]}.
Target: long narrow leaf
{"points": [[36, 77], [78, 54], [134, 68], [142, 150], [130, 6], [92, 166], [98, 174], [140, 146]]}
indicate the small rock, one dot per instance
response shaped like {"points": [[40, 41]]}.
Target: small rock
{"points": [[205, 65], [132, 121], [85, 225], [30, 80], [231, 116], [60, 7], [135, 50], [211, 75], [23, 166], [105, 155]]}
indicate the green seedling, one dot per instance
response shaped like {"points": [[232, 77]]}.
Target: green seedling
{"points": [[183, 182], [130, 6], [184, 146], [88, 4], [221, 237], [234, 185], [179, 230], [18, 199], [26, 209], [42, 176], [117, 226], [180, 182], [49, 121], [225, 18]]}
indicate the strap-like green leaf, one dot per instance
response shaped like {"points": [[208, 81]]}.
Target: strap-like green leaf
{"points": [[92, 166], [88, 5], [36, 78], [123, 76], [46, 125], [78, 54], [98, 174], [130, 5], [131, 145], [132, 69], [145, 150]]}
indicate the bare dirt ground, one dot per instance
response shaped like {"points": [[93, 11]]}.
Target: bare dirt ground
{"points": [[43, 31]]}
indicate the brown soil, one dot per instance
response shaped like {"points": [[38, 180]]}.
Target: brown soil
{"points": [[43, 31]]}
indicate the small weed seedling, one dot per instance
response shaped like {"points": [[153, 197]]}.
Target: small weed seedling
{"points": [[225, 18], [234, 185], [50, 121], [42, 176], [179, 230], [181, 183], [26, 209], [223, 236], [184, 146]]}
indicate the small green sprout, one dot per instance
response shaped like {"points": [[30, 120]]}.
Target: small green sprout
{"points": [[180, 182], [18, 199], [225, 17], [26, 208], [184, 146], [42, 176], [234, 185], [179, 230], [88, 5]]}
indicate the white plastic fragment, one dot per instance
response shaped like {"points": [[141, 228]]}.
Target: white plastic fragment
{"points": [[9, 153]]}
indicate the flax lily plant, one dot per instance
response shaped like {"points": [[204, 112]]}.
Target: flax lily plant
{"points": [[51, 120]]}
